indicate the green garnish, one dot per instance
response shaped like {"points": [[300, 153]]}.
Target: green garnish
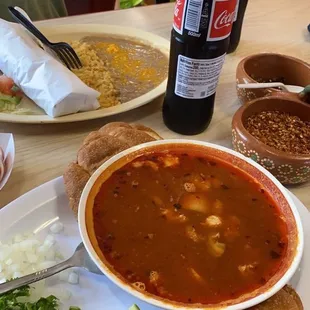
{"points": [[11, 301], [15, 88], [134, 307], [15, 300]]}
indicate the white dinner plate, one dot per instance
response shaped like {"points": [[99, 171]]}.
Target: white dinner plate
{"points": [[34, 211], [74, 32]]}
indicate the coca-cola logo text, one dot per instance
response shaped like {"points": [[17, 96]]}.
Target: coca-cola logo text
{"points": [[222, 18], [225, 19], [178, 15], [178, 3]]}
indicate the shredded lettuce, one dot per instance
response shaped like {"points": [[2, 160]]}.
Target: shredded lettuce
{"points": [[10, 99], [8, 103]]}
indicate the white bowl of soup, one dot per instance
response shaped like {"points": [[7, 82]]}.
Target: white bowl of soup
{"points": [[185, 224]]}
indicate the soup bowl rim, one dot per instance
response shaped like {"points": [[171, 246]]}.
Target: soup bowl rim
{"points": [[165, 303]]}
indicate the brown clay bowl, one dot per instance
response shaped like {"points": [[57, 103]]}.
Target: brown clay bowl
{"points": [[287, 168], [269, 65]]}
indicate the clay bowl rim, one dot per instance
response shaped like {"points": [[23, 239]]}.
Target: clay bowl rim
{"points": [[282, 277], [238, 125], [253, 56]]}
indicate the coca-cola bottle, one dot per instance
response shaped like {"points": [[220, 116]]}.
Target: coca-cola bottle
{"points": [[237, 25], [199, 42]]}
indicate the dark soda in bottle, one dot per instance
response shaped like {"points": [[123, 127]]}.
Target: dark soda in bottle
{"points": [[199, 42], [237, 25]]}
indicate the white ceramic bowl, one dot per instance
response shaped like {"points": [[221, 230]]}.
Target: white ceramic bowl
{"points": [[279, 194]]}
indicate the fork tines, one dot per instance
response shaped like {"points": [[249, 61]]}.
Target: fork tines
{"points": [[67, 55]]}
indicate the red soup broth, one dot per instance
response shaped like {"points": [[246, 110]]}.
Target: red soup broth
{"points": [[188, 228]]}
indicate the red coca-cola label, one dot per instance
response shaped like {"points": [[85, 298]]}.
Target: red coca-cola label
{"points": [[221, 19], [179, 11]]}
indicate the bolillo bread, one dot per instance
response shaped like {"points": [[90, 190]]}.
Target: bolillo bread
{"points": [[97, 148], [75, 179], [285, 299]]}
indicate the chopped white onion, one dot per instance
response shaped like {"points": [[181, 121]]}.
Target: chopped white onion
{"points": [[17, 274], [28, 244], [49, 241], [9, 261], [18, 238], [50, 255], [5, 252], [31, 257], [41, 249], [25, 254], [14, 267], [73, 278], [64, 275], [46, 264], [56, 228]]}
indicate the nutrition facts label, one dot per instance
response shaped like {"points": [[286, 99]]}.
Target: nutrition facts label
{"points": [[197, 78]]}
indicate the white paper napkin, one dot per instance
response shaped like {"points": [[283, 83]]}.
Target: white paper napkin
{"points": [[42, 78], [7, 145]]}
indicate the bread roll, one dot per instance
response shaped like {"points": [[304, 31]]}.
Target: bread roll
{"points": [[75, 179], [97, 148], [285, 299]]}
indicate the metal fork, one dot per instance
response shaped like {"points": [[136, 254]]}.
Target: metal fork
{"points": [[80, 258], [62, 49]]}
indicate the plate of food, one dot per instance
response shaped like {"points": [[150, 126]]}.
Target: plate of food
{"points": [[7, 155], [128, 67], [169, 225]]}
